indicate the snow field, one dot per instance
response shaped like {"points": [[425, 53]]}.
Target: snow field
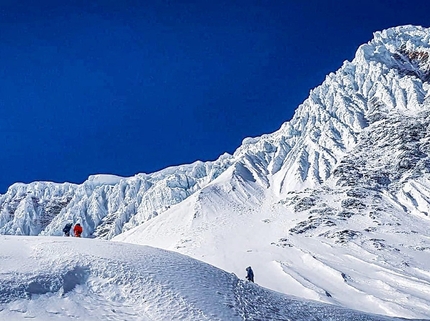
{"points": [[53, 278]]}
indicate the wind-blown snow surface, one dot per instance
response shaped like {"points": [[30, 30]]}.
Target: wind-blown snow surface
{"points": [[52, 278], [334, 206]]}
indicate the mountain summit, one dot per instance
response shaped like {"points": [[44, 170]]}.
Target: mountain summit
{"points": [[334, 206]]}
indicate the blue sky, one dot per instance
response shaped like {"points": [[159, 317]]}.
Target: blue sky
{"points": [[124, 87]]}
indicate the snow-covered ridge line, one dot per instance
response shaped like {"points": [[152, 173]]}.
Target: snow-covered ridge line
{"points": [[105, 205], [302, 154]]}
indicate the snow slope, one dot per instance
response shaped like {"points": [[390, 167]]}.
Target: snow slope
{"points": [[379, 268], [53, 278]]}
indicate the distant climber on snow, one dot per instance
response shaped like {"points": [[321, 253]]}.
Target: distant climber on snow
{"points": [[67, 229], [78, 230], [249, 274]]}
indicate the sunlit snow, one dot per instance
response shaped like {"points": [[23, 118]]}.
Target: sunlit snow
{"points": [[53, 278]]}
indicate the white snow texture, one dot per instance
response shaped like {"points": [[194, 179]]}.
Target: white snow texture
{"points": [[52, 278]]}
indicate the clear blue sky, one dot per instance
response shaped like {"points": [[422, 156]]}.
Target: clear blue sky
{"points": [[124, 87]]}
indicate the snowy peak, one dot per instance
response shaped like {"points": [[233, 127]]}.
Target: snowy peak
{"points": [[405, 48], [388, 76], [343, 187], [327, 124]]}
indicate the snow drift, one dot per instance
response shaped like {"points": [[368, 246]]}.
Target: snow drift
{"points": [[50, 278]]}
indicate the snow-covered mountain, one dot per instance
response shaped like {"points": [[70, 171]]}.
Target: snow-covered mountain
{"points": [[332, 207]]}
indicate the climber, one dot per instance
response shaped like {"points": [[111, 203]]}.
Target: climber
{"points": [[78, 230], [67, 229], [249, 274]]}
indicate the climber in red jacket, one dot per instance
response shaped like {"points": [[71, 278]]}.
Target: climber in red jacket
{"points": [[78, 230]]}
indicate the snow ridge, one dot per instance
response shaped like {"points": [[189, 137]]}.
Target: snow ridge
{"points": [[105, 205], [108, 281], [388, 74]]}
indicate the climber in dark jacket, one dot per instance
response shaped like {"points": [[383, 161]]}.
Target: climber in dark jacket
{"points": [[249, 274], [67, 229]]}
